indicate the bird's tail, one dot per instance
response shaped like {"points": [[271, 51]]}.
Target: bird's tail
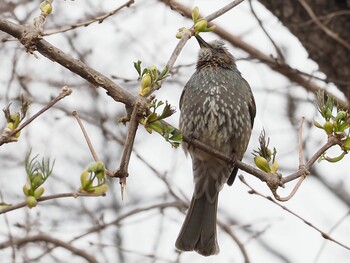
{"points": [[198, 231]]}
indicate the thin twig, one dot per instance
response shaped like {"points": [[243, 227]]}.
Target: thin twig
{"points": [[331, 142], [98, 19], [122, 172], [46, 198], [301, 167], [329, 232], [301, 158], [240, 245], [278, 50], [223, 10], [86, 136], [324, 235], [45, 238], [282, 68], [66, 91]]}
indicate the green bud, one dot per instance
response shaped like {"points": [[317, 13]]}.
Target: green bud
{"points": [[100, 166], [25, 190], [201, 25], [346, 144], [31, 201], [99, 190], [46, 7], [143, 121], [37, 180], [179, 34], [92, 167], [328, 114], [274, 167], [144, 91], [10, 126], [262, 164], [146, 81], [17, 134], [328, 127], [195, 14], [341, 115], [39, 192], [16, 118], [84, 179]]}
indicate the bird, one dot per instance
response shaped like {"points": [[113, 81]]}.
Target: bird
{"points": [[217, 107]]}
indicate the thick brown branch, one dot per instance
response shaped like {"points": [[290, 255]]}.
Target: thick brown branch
{"points": [[45, 48]]}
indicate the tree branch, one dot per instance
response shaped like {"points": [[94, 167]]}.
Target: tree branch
{"points": [[49, 239], [28, 35], [324, 235], [282, 68]]}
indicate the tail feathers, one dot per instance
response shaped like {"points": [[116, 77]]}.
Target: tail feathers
{"points": [[198, 232]]}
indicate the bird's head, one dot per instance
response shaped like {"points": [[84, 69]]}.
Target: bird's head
{"points": [[214, 54]]}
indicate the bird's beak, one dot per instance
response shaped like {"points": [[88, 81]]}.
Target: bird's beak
{"points": [[202, 43]]}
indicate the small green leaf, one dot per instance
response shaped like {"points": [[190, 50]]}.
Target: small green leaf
{"points": [[145, 71], [157, 127], [164, 72], [152, 117], [317, 124], [195, 14], [176, 137], [160, 103], [137, 66], [335, 159]]}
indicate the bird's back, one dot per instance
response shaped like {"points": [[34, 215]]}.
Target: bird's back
{"points": [[215, 109]]}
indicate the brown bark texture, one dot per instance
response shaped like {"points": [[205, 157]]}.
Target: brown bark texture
{"points": [[323, 28]]}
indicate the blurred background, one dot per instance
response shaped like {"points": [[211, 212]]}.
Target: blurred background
{"points": [[143, 227]]}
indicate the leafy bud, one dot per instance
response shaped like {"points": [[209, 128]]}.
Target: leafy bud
{"points": [[25, 190], [328, 127], [341, 115], [16, 118], [46, 7], [262, 164], [195, 14], [146, 80], [84, 179], [144, 91], [328, 114], [39, 192], [317, 124], [156, 126], [201, 25], [31, 201], [10, 126], [346, 144], [99, 190], [37, 180], [274, 167]]}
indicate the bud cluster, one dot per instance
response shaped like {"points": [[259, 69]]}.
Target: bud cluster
{"points": [[150, 78], [93, 179], [265, 159], [336, 125], [37, 174]]}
